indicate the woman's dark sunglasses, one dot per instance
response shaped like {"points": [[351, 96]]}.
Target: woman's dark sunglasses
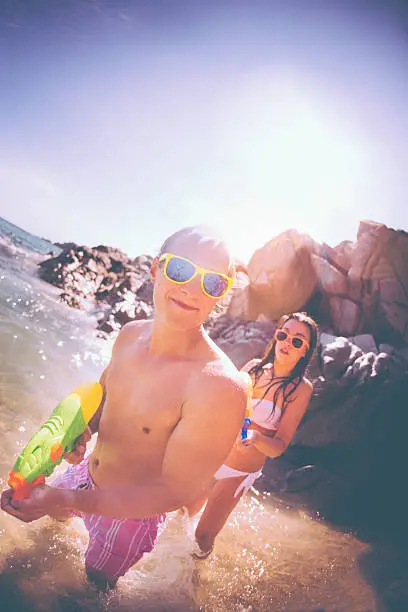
{"points": [[296, 342]]}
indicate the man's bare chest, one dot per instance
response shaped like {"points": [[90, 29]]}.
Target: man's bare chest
{"points": [[147, 395]]}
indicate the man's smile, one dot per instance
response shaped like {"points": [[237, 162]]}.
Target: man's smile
{"points": [[183, 305]]}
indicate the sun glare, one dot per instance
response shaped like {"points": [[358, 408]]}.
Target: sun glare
{"points": [[299, 168]]}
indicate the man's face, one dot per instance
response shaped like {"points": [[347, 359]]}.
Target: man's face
{"points": [[186, 306]]}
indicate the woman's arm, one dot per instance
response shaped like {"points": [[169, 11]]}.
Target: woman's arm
{"points": [[274, 447], [271, 447]]}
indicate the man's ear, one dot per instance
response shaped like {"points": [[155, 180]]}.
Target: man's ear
{"points": [[153, 268]]}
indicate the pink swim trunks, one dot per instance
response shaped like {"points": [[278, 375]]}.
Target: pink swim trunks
{"points": [[114, 544]]}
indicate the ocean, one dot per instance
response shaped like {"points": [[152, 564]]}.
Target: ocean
{"points": [[270, 556]]}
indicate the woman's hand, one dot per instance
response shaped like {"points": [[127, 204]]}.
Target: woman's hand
{"points": [[79, 450], [243, 445]]}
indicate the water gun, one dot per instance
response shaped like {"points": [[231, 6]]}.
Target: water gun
{"points": [[244, 429], [248, 412], [56, 436]]}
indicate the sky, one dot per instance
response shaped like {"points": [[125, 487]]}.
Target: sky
{"points": [[122, 121]]}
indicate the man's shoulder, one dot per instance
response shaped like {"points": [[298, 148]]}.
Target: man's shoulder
{"points": [[134, 327], [220, 377], [132, 331]]}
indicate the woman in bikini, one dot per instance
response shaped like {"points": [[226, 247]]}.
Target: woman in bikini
{"points": [[280, 397]]}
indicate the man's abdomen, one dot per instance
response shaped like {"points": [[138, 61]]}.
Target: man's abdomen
{"points": [[115, 465]]}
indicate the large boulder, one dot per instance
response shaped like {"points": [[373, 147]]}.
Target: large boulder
{"points": [[241, 340], [281, 275], [380, 260], [365, 284]]}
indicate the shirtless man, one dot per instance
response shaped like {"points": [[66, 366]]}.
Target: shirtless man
{"points": [[173, 406]]}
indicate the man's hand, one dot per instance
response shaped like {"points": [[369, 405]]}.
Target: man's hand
{"points": [[79, 450], [42, 501]]}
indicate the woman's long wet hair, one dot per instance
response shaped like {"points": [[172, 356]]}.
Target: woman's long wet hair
{"points": [[286, 385]]}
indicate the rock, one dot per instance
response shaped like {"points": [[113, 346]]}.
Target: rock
{"points": [[337, 357], [366, 342], [380, 257], [326, 339], [354, 289], [103, 278], [397, 316], [343, 254], [303, 478], [145, 291], [344, 316], [241, 340], [361, 369], [281, 275], [66, 246], [72, 300], [242, 351], [331, 280], [364, 285], [387, 348], [240, 305]]}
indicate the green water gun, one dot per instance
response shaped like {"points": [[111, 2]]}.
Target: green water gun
{"points": [[56, 436]]}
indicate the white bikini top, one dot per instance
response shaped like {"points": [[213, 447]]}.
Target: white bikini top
{"points": [[265, 413]]}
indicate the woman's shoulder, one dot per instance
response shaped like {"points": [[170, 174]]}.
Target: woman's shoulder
{"points": [[306, 386]]}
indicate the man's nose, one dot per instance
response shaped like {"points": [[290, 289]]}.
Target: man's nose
{"points": [[193, 286]]}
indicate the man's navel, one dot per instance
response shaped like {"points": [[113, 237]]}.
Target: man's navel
{"points": [[146, 430]]}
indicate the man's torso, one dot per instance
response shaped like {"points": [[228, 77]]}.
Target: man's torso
{"points": [[144, 402]]}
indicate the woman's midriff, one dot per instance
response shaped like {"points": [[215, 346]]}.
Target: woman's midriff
{"points": [[252, 459]]}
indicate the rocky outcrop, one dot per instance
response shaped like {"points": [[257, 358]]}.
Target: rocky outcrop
{"points": [[348, 459], [355, 288], [349, 454], [104, 281], [281, 277], [359, 287], [367, 283]]}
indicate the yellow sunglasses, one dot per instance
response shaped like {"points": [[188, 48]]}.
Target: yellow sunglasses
{"points": [[180, 270]]}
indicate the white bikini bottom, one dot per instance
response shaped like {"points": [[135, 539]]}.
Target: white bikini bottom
{"points": [[228, 472]]}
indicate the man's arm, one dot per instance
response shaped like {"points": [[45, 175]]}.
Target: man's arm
{"points": [[197, 447]]}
